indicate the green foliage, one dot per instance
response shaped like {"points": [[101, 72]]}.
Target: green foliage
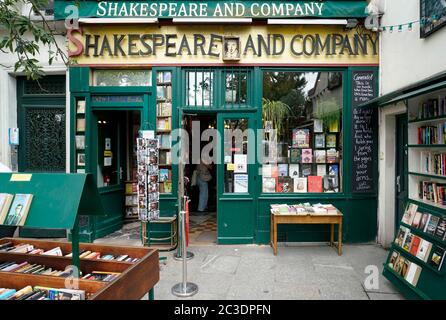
{"points": [[25, 38], [277, 112]]}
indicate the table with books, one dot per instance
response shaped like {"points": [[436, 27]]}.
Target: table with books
{"points": [[306, 214], [33, 269]]}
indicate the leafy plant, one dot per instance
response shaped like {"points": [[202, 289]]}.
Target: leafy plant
{"points": [[25, 38], [276, 112], [330, 112]]}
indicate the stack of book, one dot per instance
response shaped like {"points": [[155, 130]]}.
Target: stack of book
{"points": [[433, 163], [408, 270], [30, 268], [432, 134], [432, 108], [105, 276], [304, 209], [41, 293], [432, 191], [84, 254]]}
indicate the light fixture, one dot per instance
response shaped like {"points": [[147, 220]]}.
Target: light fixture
{"points": [[351, 23], [212, 20], [308, 21], [117, 20]]}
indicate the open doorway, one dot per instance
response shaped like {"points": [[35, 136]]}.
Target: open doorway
{"points": [[116, 162], [203, 195]]}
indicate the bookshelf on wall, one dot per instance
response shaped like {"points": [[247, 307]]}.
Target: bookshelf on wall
{"points": [[164, 128], [417, 259], [427, 149]]}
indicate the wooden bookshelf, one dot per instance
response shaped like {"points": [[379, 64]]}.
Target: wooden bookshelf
{"points": [[136, 279]]}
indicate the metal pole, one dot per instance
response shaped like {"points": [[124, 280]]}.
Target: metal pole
{"points": [[184, 288]]}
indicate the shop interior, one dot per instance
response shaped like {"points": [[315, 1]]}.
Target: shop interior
{"points": [[203, 224], [116, 156]]}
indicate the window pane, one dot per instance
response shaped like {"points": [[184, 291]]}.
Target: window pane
{"points": [[199, 86], [122, 78], [236, 87], [302, 118], [236, 155]]}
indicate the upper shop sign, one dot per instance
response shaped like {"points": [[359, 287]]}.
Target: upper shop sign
{"points": [[213, 9], [244, 44]]}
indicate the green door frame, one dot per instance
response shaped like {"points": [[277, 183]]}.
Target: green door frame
{"points": [[229, 205]]}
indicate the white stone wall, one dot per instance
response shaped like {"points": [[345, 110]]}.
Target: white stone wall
{"points": [[8, 93], [405, 57]]}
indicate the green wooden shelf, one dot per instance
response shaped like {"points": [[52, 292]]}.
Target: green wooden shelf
{"points": [[415, 290], [415, 259], [433, 119], [425, 235], [428, 175], [428, 203], [427, 146]]}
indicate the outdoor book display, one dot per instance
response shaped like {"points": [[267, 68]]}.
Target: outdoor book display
{"points": [[38, 270], [305, 213], [416, 262]]}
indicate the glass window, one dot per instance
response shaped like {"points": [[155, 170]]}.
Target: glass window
{"points": [[236, 86], [122, 78], [236, 155], [199, 86], [302, 121]]}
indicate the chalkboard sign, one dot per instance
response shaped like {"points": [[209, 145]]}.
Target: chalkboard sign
{"points": [[363, 132]]}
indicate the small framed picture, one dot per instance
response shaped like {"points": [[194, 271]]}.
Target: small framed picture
{"points": [[231, 48], [80, 107], [81, 159], [80, 142], [80, 125]]}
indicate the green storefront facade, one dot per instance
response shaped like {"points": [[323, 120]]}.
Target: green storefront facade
{"points": [[242, 218]]}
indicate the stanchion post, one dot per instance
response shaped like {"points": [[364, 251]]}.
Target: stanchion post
{"points": [[184, 288]]}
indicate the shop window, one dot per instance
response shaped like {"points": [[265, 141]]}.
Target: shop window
{"points": [[302, 121], [236, 86], [122, 78], [199, 86]]}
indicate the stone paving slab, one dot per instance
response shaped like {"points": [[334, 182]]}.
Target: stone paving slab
{"points": [[252, 272]]}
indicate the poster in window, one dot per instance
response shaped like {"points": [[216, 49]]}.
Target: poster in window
{"points": [[240, 183]]}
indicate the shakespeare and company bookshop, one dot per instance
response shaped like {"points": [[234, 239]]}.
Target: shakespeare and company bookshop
{"points": [[298, 69]]}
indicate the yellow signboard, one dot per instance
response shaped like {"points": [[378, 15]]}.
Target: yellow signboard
{"points": [[265, 45], [21, 177]]}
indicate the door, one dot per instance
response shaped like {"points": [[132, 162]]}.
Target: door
{"points": [[108, 161], [401, 167], [236, 178]]}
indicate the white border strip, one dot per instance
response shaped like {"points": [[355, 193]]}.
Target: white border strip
{"points": [[117, 20], [309, 21], [212, 20]]}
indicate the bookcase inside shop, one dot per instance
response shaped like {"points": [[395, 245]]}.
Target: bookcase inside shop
{"points": [[131, 184], [427, 149], [106, 272], [164, 128]]}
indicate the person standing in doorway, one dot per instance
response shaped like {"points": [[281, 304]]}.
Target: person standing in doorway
{"points": [[203, 177]]}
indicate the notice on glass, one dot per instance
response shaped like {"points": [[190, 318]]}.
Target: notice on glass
{"points": [[240, 163], [240, 183]]}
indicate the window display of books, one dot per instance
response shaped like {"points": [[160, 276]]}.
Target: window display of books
{"points": [[314, 153], [164, 128]]}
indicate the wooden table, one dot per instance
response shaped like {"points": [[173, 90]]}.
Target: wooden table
{"points": [[330, 219]]}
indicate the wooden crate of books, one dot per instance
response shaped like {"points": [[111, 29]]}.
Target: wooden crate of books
{"points": [[107, 272]]}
